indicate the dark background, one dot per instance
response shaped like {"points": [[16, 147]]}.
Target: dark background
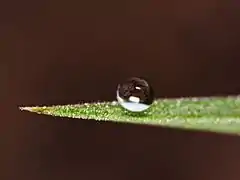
{"points": [[63, 52]]}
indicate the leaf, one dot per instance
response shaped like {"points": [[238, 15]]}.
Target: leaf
{"points": [[215, 114]]}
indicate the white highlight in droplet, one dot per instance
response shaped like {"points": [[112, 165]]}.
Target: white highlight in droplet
{"points": [[134, 99]]}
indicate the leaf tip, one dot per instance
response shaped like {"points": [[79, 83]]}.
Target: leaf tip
{"points": [[31, 109]]}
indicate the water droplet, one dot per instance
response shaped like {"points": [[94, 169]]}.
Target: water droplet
{"points": [[135, 94]]}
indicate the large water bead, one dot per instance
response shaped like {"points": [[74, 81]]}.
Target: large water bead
{"points": [[135, 94]]}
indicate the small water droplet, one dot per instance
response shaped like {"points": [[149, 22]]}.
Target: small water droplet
{"points": [[114, 103], [135, 94]]}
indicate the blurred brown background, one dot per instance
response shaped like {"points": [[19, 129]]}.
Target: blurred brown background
{"points": [[62, 52]]}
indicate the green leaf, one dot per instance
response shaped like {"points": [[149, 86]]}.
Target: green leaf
{"points": [[215, 114]]}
